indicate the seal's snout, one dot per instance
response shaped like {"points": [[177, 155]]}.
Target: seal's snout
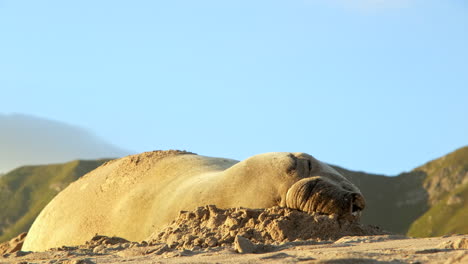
{"points": [[357, 204], [319, 195]]}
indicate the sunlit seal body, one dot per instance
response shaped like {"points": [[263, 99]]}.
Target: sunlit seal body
{"points": [[132, 196]]}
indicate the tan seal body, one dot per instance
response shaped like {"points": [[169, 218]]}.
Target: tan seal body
{"points": [[132, 196]]}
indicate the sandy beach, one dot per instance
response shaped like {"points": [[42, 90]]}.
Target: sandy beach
{"points": [[349, 249]]}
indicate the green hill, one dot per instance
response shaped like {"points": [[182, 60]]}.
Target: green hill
{"points": [[447, 186], [448, 216], [392, 203], [26, 190]]}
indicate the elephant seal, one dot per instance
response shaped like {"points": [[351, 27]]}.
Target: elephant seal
{"points": [[132, 196]]}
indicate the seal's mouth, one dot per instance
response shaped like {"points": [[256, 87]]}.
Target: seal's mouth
{"points": [[357, 204]]}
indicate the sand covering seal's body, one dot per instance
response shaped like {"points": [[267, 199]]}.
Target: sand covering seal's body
{"points": [[132, 196]]}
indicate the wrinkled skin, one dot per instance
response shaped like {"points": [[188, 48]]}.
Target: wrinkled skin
{"points": [[319, 195], [323, 190]]}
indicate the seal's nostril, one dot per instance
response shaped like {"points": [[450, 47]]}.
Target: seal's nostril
{"points": [[356, 208], [355, 203]]}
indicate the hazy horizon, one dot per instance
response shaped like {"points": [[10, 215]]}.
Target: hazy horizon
{"points": [[29, 140]]}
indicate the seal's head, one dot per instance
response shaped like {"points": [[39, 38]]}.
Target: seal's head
{"points": [[322, 196], [321, 189]]}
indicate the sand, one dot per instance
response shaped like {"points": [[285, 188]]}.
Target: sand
{"points": [[238, 235], [209, 226]]}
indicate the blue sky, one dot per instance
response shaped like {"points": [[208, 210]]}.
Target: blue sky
{"points": [[379, 86]]}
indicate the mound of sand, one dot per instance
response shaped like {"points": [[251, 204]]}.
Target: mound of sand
{"points": [[246, 230], [13, 245], [210, 226]]}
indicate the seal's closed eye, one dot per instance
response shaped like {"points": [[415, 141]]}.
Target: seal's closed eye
{"points": [[309, 164]]}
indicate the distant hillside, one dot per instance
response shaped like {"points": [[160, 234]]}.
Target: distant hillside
{"points": [[28, 140], [393, 203], [447, 186], [26, 190], [448, 216], [430, 200]]}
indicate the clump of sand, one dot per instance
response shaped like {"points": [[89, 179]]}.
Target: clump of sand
{"points": [[13, 245], [210, 226]]}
